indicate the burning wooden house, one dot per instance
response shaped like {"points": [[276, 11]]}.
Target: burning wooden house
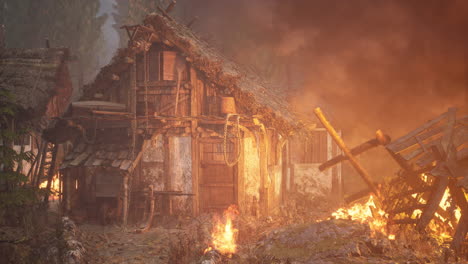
{"points": [[172, 115], [39, 82]]}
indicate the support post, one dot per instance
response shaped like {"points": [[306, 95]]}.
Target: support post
{"points": [[264, 184], [339, 141], [125, 199], [195, 111]]}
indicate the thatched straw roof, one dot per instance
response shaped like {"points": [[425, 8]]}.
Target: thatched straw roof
{"points": [[31, 76], [250, 91]]}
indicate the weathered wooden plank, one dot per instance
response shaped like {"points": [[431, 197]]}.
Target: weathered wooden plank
{"points": [[116, 163], [395, 145], [425, 160], [126, 164], [414, 141], [460, 233], [460, 136], [409, 155], [462, 227], [440, 185], [90, 160], [78, 160], [415, 182], [446, 141], [97, 162], [440, 170]]}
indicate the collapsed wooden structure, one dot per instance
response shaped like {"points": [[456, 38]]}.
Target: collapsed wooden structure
{"points": [[173, 119], [432, 186], [434, 162]]}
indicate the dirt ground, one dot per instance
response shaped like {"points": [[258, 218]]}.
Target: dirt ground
{"points": [[261, 241], [112, 244]]}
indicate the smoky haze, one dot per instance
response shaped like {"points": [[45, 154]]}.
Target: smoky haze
{"points": [[379, 64], [389, 65], [384, 64], [371, 64]]}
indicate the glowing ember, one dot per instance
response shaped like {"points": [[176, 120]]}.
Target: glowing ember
{"points": [[364, 213], [391, 237], [208, 249], [224, 234]]}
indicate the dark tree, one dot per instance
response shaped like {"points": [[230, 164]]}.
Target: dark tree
{"points": [[73, 24]]}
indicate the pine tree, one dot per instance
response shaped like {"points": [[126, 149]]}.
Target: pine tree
{"points": [[73, 24]]}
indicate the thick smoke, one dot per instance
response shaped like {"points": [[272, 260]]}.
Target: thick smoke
{"points": [[380, 64], [389, 65], [371, 64]]}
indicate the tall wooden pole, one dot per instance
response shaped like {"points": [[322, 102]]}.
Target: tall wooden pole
{"points": [[339, 141]]}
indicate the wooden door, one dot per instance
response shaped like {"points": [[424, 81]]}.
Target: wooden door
{"points": [[217, 181]]}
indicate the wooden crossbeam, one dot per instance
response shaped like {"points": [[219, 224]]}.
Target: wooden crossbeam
{"points": [[381, 139], [339, 141]]}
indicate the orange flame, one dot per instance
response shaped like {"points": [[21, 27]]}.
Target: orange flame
{"points": [[365, 213], [224, 234], [54, 187]]}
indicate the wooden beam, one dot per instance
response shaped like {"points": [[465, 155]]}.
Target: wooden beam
{"points": [[125, 197], [339, 141], [395, 145], [356, 151], [462, 228], [440, 185], [100, 112]]}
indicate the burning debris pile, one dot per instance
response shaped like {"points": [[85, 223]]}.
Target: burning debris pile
{"points": [[429, 193]]}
